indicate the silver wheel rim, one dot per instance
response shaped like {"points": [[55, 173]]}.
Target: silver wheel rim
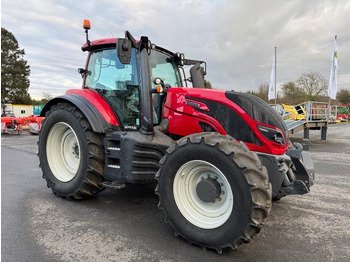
{"points": [[63, 152], [199, 213]]}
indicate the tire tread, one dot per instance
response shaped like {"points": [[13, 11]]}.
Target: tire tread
{"points": [[255, 175], [92, 182]]}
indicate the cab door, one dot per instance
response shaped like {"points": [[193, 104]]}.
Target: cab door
{"points": [[117, 83]]}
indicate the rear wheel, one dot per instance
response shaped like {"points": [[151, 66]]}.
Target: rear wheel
{"points": [[213, 190], [71, 155]]}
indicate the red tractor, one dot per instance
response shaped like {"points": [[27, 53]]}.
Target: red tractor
{"points": [[219, 157]]}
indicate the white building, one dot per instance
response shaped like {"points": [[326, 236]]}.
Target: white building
{"points": [[20, 110]]}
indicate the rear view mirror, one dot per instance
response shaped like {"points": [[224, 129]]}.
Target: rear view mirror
{"points": [[81, 71], [124, 50], [197, 76]]}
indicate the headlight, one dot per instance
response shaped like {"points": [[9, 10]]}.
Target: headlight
{"points": [[272, 134]]}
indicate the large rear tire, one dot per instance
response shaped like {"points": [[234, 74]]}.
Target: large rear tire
{"points": [[71, 155], [213, 191]]}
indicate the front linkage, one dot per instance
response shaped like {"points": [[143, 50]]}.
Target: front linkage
{"points": [[291, 173]]}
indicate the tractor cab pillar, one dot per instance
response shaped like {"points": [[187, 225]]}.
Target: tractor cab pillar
{"points": [[146, 85]]}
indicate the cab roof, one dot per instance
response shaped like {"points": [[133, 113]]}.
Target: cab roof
{"points": [[111, 42], [95, 44]]}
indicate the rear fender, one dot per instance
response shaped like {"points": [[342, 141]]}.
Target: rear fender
{"points": [[96, 111]]}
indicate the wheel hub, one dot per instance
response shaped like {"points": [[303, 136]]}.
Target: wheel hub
{"points": [[208, 190], [76, 150]]}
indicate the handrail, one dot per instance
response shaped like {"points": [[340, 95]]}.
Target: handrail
{"points": [[306, 112]]}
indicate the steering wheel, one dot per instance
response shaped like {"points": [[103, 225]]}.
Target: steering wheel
{"points": [[102, 87]]}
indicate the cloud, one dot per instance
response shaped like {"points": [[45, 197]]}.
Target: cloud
{"points": [[236, 38]]}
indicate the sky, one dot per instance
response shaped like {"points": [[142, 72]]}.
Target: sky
{"points": [[236, 38]]}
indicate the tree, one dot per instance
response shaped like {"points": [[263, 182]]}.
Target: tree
{"points": [[14, 71], [293, 94], [252, 93], [207, 84], [313, 84], [263, 91], [47, 97], [344, 96]]}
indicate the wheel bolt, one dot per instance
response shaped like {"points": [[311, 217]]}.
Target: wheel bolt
{"points": [[219, 198], [222, 192], [221, 184]]}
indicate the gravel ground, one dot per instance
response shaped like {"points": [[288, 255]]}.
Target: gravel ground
{"points": [[126, 225]]}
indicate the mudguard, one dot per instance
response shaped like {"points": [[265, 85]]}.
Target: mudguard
{"points": [[95, 109]]}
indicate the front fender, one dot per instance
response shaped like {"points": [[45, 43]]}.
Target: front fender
{"points": [[96, 110]]}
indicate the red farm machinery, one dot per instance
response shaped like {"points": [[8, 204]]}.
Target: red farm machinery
{"points": [[14, 125], [219, 157]]}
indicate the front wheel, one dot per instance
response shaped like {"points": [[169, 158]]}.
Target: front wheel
{"points": [[71, 155], [213, 191]]}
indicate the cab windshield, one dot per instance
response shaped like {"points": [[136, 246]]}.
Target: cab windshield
{"points": [[163, 67]]}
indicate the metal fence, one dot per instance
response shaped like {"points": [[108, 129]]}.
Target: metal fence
{"points": [[317, 111]]}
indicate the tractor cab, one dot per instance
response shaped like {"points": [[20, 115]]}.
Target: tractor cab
{"points": [[119, 83], [115, 73]]}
